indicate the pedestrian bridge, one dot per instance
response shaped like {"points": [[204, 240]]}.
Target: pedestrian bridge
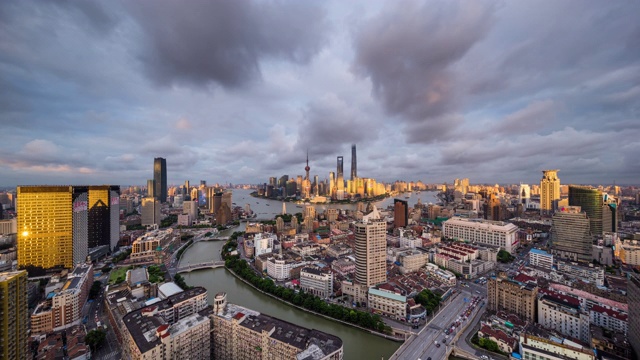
{"points": [[198, 266]]}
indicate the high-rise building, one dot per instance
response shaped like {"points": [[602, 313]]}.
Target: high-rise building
{"points": [[524, 195], [45, 226], [58, 224], [400, 213], [590, 201], [160, 179], [633, 295], [14, 316], [512, 296], [340, 174], [150, 212], [150, 188], [549, 191], [103, 200], [570, 235], [371, 247], [354, 163]]}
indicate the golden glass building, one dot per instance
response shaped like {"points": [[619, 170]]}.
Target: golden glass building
{"points": [[14, 316], [45, 226]]}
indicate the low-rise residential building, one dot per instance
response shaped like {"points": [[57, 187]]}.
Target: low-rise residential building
{"points": [[488, 254], [470, 269], [244, 334], [614, 343], [344, 266], [589, 273], [505, 342], [538, 343], [540, 258], [314, 281], [338, 250], [412, 260], [445, 277], [385, 300]]}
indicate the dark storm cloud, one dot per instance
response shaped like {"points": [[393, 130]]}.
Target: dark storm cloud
{"points": [[224, 42], [407, 52]]}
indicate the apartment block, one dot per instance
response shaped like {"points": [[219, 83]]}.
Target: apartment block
{"points": [[177, 327], [512, 296], [244, 334], [315, 281], [64, 307]]}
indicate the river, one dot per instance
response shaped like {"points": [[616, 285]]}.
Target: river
{"points": [[357, 343], [268, 209]]}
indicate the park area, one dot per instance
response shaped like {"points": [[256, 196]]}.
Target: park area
{"points": [[118, 275]]}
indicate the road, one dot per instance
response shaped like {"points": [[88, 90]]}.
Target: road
{"points": [[424, 344]]}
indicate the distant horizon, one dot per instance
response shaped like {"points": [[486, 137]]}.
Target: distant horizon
{"points": [[197, 184]]}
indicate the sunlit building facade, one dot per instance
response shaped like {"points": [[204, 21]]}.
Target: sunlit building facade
{"points": [[45, 226], [371, 245], [590, 201], [549, 191], [14, 316]]}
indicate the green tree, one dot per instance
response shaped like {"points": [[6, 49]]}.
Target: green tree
{"points": [[95, 338], [96, 287]]}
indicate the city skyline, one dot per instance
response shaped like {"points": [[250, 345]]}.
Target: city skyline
{"points": [[94, 92]]}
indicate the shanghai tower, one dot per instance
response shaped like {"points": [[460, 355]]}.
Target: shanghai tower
{"points": [[354, 166]]}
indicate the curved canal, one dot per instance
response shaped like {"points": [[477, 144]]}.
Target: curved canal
{"points": [[357, 344]]}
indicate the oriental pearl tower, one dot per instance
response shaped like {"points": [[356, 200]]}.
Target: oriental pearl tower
{"points": [[306, 183]]}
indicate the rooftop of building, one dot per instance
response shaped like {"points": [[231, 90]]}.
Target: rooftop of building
{"points": [[4, 276], [561, 301], [589, 296], [539, 331], [144, 328], [565, 299], [488, 223], [610, 312], [313, 270], [617, 338], [499, 334], [138, 276], [169, 289], [539, 252]]}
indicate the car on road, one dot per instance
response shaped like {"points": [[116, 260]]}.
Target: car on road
{"points": [[437, 345]]}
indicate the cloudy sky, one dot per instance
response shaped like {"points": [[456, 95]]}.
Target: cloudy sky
{"points": [[237, 91]]}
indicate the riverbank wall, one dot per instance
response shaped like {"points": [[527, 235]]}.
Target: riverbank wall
{"points": [[388, 337]]}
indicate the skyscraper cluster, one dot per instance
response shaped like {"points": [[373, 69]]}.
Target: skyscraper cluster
{"points": [[335, 187]]}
